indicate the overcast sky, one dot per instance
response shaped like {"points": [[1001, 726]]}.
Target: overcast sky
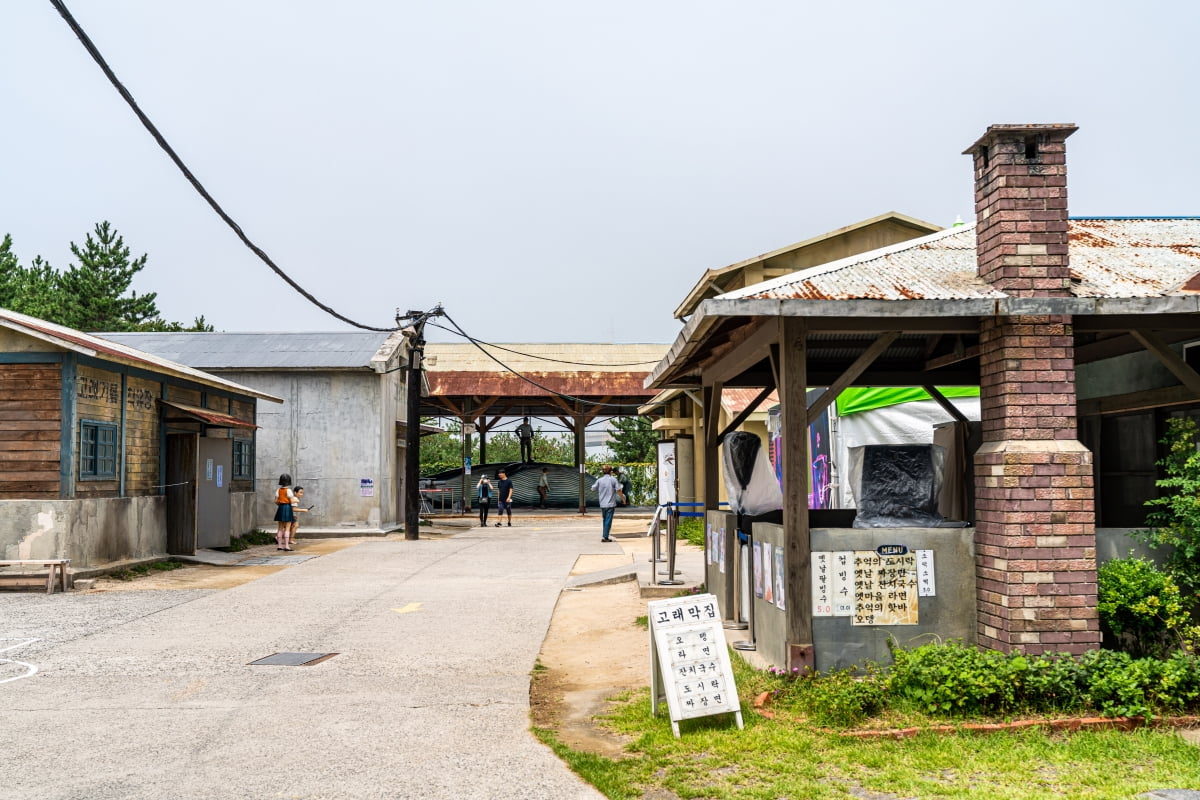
{"points": [[554, 171]]}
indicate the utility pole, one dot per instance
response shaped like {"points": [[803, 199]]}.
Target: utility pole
{"points": [[414, 332]]}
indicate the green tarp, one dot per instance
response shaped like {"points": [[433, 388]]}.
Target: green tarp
{"points": [[864, 398]]}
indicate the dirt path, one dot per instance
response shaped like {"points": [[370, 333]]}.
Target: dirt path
{"points": [[594, 649]]}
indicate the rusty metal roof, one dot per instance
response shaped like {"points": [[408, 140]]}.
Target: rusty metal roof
{"points": [[1109, 257]]}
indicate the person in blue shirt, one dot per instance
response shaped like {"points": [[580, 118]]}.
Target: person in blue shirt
{"points": [[608, 490], [504, 496]]}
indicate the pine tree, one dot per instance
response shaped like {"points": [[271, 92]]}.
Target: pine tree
{"points": [[26, 290], [633, 440], [93, 293]]}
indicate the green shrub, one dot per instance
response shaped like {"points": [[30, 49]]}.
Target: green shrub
{"points": [[1141, 607], [844, 698], [1052, 683], [955, 679], [1175, 516]]}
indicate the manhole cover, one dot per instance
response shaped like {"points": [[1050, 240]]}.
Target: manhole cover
{"points": [[267, 561], [292, 660]]}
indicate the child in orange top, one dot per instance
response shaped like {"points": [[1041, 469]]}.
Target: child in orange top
{"points": [[283, 513]]}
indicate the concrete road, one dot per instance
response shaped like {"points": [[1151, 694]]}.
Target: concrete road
{"points": [[150, 694]]}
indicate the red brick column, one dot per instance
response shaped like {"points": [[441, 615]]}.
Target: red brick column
{"points": [[1035, 539]]}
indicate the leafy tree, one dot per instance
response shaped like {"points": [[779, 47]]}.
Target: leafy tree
{"points": [[95, 292], [633, 440]]}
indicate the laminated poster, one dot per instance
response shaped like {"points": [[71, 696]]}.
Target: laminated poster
{"points": [[780, 602], [721, 549], [758, 571], [768, 581]]}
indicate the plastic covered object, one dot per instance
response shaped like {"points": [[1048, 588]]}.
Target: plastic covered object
{"points": [[897, 486], [750, 480]]}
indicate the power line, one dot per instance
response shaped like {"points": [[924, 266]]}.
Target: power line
{"points": [[478, 342], [507, 368], [94, 52]]}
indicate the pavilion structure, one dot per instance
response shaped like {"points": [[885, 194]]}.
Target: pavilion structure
{"points": [[567, 385]]}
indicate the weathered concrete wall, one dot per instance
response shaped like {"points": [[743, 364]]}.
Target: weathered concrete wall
{"points": [[1117, 543], [90, 532], [327, 436], [838, 643], [719, 565], [1132, 372], [243, 513]]}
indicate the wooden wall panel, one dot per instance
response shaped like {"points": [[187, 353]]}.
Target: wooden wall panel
{"points": [[143, 444], [189, 397], [98, 399], [30, 420]]}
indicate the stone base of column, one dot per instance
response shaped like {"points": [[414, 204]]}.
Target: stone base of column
{"points": [[1035, 547]]}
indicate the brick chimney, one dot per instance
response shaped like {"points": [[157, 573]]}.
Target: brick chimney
{"points": [[1035, 539], [1021, 208]]}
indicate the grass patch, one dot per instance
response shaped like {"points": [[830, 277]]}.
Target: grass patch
{"points": [[789, 756], [247, 540], [141, 570], [643, 622]]}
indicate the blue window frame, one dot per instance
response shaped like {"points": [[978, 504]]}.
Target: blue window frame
{"points": [[97, 450], [243, 459]]}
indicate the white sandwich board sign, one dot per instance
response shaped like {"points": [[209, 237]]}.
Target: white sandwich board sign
{"points": [[689, 662]]}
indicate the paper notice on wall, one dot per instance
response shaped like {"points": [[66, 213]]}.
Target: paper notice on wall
{"points": [[926, 581], [822, 584], [721, 548], [885, 589], [842, 583], [366, 487]]}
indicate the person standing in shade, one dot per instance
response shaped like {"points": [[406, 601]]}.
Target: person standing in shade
{"points": [[544, 486], [483, 490], [504, 496], [607, 490], [525, 434]]}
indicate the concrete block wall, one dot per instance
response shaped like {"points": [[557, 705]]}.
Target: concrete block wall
{"points": [[90, 532]]}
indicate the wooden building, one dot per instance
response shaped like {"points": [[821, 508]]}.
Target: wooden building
{"points": [[111, 454]]}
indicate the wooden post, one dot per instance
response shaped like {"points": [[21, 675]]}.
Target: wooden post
{"points": [[712, 488], [793, 379], [580, 454]]}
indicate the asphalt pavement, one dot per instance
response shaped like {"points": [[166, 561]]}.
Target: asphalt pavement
{"points": [[152, 694]]}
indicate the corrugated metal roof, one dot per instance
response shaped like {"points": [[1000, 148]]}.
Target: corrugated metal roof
{"points": [[338, 350], [1129, 257], [734, 401], [543, 358], [94, 345]]}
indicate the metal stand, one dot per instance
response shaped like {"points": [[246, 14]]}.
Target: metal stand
{"points": [[672, 522], [744, 593], [655, 530]]}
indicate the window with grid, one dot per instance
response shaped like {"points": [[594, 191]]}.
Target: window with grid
{"points": [[97, 449], [243, 459]]}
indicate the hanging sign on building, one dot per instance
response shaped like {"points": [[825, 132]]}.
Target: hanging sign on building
{"points": [[689, 662]]}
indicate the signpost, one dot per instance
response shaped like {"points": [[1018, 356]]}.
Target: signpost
{"points": [[689, 662]]}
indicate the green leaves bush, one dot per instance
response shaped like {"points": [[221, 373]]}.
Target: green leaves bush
{"points": [[958, 681], [1141, 607]]}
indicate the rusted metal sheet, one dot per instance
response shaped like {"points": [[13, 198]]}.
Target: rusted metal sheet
{"points": [[1109, 257], [505, 384]]}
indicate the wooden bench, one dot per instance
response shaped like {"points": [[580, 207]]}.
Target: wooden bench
{"points": [[54, 565]]}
